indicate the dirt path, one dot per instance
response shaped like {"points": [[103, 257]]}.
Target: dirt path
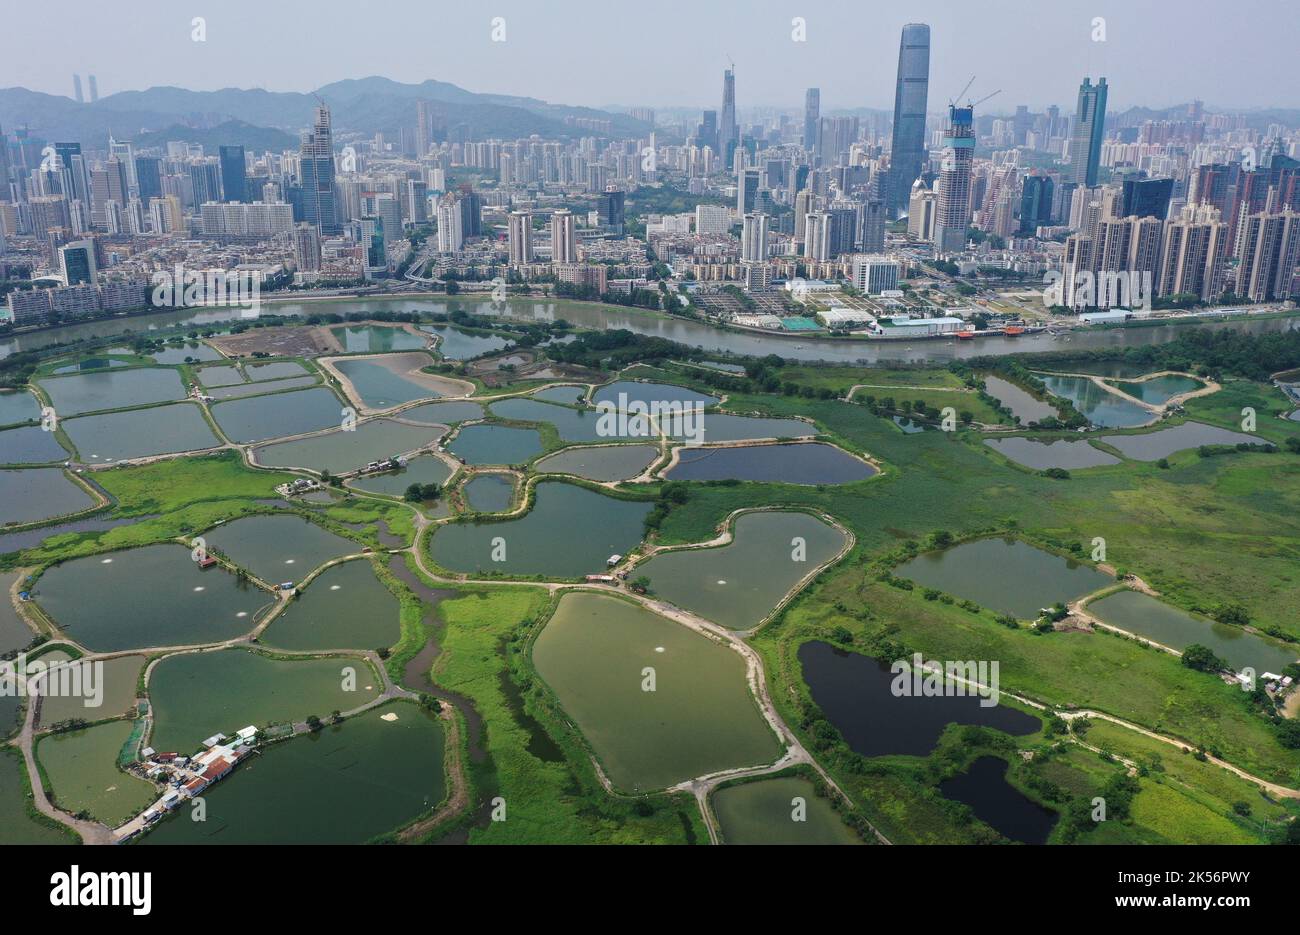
{"points": [[1270, 787]]}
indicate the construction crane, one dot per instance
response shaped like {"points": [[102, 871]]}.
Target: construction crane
{"points": [[952, 101], [986, 97]]}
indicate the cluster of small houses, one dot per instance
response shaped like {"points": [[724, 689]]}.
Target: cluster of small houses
{"points": [[1275, 684], [188, 776], [298, 486]]}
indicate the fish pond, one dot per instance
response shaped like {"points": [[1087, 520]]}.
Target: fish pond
{"points": [[856, 694], [1145, 616], [112, 389], [763, 811], [17, 823], [985, 791], [739, 584], [114, 692], [341, 451], [30, 444], [258, 419], [495, 444], [569, 531], [38, 494], [457, 344], [490, 493], [1005, 575], [567, 394], [196, 695], [813, 463], [278, 547], [1041, 454], [1158, 390], [82, 769], [573, 425], [17, 406], [425, 469], [345, 607], [1152, 446], [1097, 404], [601, 462], [140, 433], [594, 653], [361, 339], [155, 595], [1023, 405], [240, 390], [624, 392], [370, 775], [447, 413]]}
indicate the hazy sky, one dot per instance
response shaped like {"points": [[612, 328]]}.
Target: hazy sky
{"points": [[671, 52]]}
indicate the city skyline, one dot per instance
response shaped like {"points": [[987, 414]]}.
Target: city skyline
{"points": [[853, 68]]}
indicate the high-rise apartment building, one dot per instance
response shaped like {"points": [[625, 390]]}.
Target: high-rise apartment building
{"points": [[521, 238], [1267, 256], [1192, 254], [564, 237], [753, 238]]}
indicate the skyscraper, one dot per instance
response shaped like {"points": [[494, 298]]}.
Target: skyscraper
{"points": [[753, 238], [953, 213], [94, 89], [611, 210], [306, 248], [148, 177], [1146, 198], [234, 182], [451, 224], [426, 121], [812, 109], [727, 130], [706, 134], [316, 156], [907, 148], [76, 88], [1035, 203], [521, 238], [1089, 126], [746, 191], [564, 237]]}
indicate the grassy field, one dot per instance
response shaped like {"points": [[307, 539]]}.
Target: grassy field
{"points": [[1173, 527], [164, 486]]}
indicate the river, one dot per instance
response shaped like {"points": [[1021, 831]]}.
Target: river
{"points": [[698, 334]]}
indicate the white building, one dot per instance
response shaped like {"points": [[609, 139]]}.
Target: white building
{"points": [[873, 275]]}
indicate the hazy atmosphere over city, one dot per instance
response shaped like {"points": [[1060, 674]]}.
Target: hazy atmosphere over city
{"points": [[828, 424]]}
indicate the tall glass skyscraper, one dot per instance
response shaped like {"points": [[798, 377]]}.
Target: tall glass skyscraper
{"points": [[234, 182], [907, 152], [812, 110], [316, 153], [1089, 125], [728, 133]]}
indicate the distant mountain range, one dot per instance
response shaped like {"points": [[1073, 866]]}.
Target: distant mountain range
{"points": [[271, 119]]}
